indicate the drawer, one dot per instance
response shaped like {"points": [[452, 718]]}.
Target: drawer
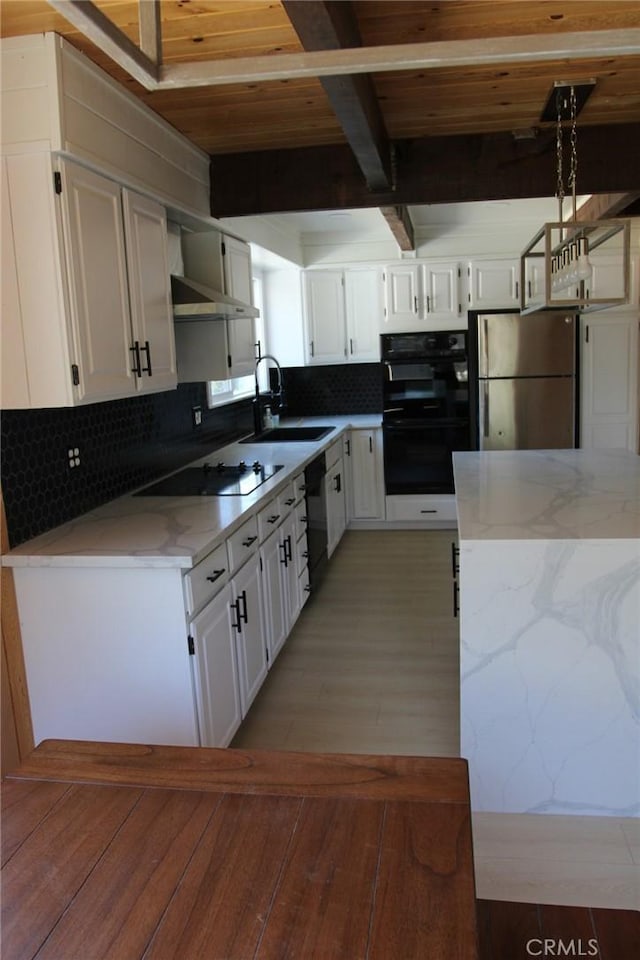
{"points": [[301, 519], [269, 518], [303, 586], [334, 452], [421, 509], [302, 553], [206, 579], [298, 487], [287, 498], [242, 543]]}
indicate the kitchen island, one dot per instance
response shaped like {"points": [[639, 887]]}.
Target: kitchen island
{"points": [[549, 630]]}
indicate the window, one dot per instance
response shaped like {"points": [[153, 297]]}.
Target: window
{"points": [[220, 392]]}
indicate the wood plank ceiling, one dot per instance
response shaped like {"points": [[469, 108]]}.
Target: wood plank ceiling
{"points": [[397, 136]]}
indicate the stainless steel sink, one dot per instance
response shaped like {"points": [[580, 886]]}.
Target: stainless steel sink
{"points": [[289, 435]]}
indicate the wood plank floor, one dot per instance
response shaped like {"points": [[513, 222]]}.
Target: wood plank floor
{"points": [[372, 664], [520, 931], [372, 667]]}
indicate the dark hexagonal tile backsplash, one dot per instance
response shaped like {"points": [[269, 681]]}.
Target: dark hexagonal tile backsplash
{"points": [[124, 444]]}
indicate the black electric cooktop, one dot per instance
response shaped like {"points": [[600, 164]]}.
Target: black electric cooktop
{"points": [[219, 480]]}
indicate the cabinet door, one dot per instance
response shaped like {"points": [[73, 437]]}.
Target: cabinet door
{"points": [[236, 261], [367, 474], [14, 376], [441, 291], [494, 283], [609, 381], [98, 286], [241, 335], [249, 628], [401, 297], [291, 569], [241, 340], [325, 316], [149, 294], [364, 312], [217, 689], [336, 508], [272, 557]]}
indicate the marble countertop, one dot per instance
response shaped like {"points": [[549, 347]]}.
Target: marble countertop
{"points": [[175, 531], [548, 495]]}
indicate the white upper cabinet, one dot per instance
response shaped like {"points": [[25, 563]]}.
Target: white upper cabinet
{"points": [[422, 296], [494, 284], [363, 304], [236, 259], [149, 296], [342, 312], [402, 297], [223, 264], [325, 316], [441, 299], [93, 311]]}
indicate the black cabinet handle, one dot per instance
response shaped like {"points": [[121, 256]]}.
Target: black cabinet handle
{"points": [[283, 559], [243, 615], [348, 447], [273, 518], [303, 519], [216, 575], [370, 444], [249, 541], [290, 502], [236, 625], [305, 554], [337, 483], [288, 547], [455, 598], [307, 588], [135, 350], [147, 350]]}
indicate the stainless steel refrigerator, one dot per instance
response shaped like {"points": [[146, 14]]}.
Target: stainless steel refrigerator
{"points": [[526, 383]]}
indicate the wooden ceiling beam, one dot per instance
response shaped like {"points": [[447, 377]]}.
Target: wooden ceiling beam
{"points": [[485, 51], [399, 222], [431, 170], [91, 22], [323, 25], [150, 29], [602, 206]]}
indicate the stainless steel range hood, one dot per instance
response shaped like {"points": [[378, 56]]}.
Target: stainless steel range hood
{"points": [[194, 301]]}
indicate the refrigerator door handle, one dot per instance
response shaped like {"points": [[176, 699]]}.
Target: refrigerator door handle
{"points": [[484, 409], [484, 372]]}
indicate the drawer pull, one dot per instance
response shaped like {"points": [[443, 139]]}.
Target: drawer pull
{"points": [[216, 575], [284, 558], [303, 519], [290, 502], [249, 541], [305, 554], [272, 519], [307, 588], [428, 511]]}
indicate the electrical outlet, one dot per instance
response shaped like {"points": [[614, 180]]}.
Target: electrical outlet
{"points": [[73, 454], [196, 413]]}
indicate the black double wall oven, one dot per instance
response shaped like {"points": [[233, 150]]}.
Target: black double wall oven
{"points": [[426, 409]]}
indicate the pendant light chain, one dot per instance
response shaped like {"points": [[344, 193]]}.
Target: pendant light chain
{"points": [[560, 180], [573, 170]]}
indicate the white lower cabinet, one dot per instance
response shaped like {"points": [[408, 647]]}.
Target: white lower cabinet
{"points": [[282, 561], [367, 475], [217, 688], [248, 624], [336, 505]]}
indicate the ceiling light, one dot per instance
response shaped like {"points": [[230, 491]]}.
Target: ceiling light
{"points": [[574, 265]]}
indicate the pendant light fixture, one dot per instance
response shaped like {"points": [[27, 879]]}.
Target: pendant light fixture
{"points": [[573, 264]]}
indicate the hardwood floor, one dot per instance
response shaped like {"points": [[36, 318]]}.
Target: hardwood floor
{"points": [[372, 667], [519, 931]]}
